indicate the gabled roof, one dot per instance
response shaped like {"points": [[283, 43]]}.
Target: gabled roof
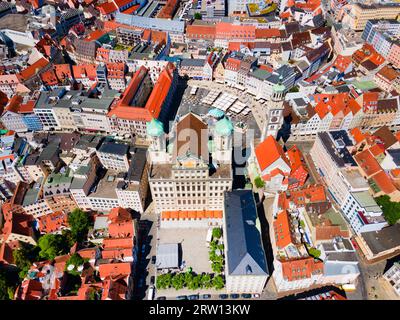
{"points": [[367, 162], [268, 151], [283, 234], [33, 69], [195, 145], [301, 268], [244, 250]]}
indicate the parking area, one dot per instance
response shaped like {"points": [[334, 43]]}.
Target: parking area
{"points": [[193, 244]]}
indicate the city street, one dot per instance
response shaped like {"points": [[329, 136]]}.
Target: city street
{"points": [[148, 238]]}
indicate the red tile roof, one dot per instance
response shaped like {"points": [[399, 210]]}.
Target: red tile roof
{"points": [[357, 135], [205, 214], [49, 78], [201, 31], [63, 71], [156, 99], [267, 33], [33, 69], [384, 183], [107, 8], [367, 162], [282, 231], [268, 151], [301, 269], [53, 222], [160, 91], [114, 269], [84, 71], [94, 35]]}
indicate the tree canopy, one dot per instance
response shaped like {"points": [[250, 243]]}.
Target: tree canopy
{"points": [[76, 260], [259, 182], [218, 282], [24, 256], [391, 210], [79, 223], [198, 16], [52, 245], [217, 233]]}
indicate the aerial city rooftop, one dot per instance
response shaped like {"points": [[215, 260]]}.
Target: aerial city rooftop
{"points": [[189, 149]]}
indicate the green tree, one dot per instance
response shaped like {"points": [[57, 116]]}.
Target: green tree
{"points": [[314, 252], [188, 278], [79, 223], [160, 283], [7, 285], [178, 281], [198, 16], [391, 210], [51, 246], [218, 282], [24, 256], [212, 255], [164, 281], [294, 89], [206, 281], [213, 245], [195, 283], [217, 233], [68, 238], [76, 260], [259, 182], [216, 267]]}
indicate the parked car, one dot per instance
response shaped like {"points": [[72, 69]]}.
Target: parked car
{"points": [[150, 295], [143, 249], [181, 298], [234, 296], [153, 259], [223, 296], [152, 279], [161, 298], [255, 295], [206, 296], [194, 297], [246, 295]]}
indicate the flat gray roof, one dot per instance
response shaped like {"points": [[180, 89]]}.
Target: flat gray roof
{"points": [[167, 256]]}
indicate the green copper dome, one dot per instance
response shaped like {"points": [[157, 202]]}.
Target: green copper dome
{"points": [[154, 128], [216, 113], [224, 127]]}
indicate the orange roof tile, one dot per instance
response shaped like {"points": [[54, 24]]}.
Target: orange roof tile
{"points": [[201, 31], [367, 162], [111, 243], [107, 8], [33, 69], [268, 151], [342, 62], [84, 71], [357, 135], [301, 269], [94, 35], [63, 71], [268, 33], [191, 214], [383, 182], [283, 234], [377, 149], [49, 78], [160, 91], [53, 222], [114, 269]]}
